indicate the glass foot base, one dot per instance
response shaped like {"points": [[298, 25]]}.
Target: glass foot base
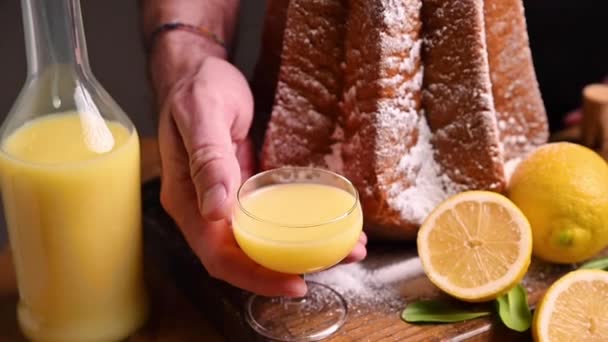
{"points": [[311, 318]]}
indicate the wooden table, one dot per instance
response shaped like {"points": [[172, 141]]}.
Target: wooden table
{"points": [[173, 317], [178, 315]]}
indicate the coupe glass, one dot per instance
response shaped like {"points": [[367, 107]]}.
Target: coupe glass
{"points": [[298, 248]]}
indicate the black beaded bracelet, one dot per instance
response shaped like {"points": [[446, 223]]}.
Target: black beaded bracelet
{"points": [[201, 31]]}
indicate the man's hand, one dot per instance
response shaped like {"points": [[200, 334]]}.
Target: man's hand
{"points": [[205, 117], [205, 152]]}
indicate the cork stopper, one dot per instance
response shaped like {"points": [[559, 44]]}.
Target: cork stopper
{"points": [[595, 117]]}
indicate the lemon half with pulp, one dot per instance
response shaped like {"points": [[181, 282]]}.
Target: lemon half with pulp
{"points": [[475, 246], [574, 308]]}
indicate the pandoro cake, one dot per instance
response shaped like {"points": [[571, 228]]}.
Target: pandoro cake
{"points": [[412, 100]]}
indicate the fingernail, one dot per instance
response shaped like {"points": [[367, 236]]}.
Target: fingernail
{"points": [[213, 198]]}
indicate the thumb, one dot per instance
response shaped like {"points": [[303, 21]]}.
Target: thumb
{"points": [[214, 168]]}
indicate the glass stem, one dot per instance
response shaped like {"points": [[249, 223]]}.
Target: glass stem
{"points": [[296, 300]]}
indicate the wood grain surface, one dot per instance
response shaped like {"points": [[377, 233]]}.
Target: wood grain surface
{"points": [[188, 305], [223, 304]]}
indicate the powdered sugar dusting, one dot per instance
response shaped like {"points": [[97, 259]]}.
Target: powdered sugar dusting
{"points": [[458, 97], [382, 103], [406, 66], [510, 167], [309, 87], [334, 158], [397, 14], [403, 163], [519, 106], [431, 186], [401, 19], [363, 285], [424, 186]]}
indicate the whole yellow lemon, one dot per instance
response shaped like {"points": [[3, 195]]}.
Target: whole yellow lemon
{"points": [[562, 188]]}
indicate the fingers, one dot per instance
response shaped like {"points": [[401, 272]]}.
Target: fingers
{"points": [[205, 132], [211, 111], [363, 238], [212, 242], [245, 274], [359, 252], [205, 154], [216, 247], [233, 266], [177, 192], [246, 156]]}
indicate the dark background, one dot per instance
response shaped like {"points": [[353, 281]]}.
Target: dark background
{"points": [[569, 41], [115, 53]]}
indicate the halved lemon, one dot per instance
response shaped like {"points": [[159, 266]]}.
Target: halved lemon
{"points": [[574, 308], [475, 246]]}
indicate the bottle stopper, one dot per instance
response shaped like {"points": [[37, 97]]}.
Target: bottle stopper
{"points": [[595, 117]]}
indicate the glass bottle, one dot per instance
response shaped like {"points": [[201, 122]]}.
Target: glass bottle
{"points": [[70, 182]]}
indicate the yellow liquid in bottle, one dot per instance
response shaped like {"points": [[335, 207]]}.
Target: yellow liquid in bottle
{"points": [[324, 241], [74, 223]]}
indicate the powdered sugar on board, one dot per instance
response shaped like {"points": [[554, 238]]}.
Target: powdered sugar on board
{"points": [[372, 283]]}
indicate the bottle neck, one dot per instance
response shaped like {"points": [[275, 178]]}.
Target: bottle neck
{"points": [[54, 34]]}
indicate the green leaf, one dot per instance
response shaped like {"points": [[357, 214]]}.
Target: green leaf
{"points": [[599, 264], [438, 311], [513, 309]]}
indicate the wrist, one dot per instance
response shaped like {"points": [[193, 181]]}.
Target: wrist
{"points": [[201, 31], [177, 54], [217, 16]]}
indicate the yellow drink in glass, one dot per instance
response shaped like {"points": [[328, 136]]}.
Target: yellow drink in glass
{"points": [[297, 220], [74, 223], [309, 228]]}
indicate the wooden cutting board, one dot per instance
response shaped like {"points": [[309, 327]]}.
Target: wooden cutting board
{"points": [[378, 320], [174, 273]]}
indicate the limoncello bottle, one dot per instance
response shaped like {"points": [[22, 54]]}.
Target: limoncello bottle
{"points": [[70, 183]]}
